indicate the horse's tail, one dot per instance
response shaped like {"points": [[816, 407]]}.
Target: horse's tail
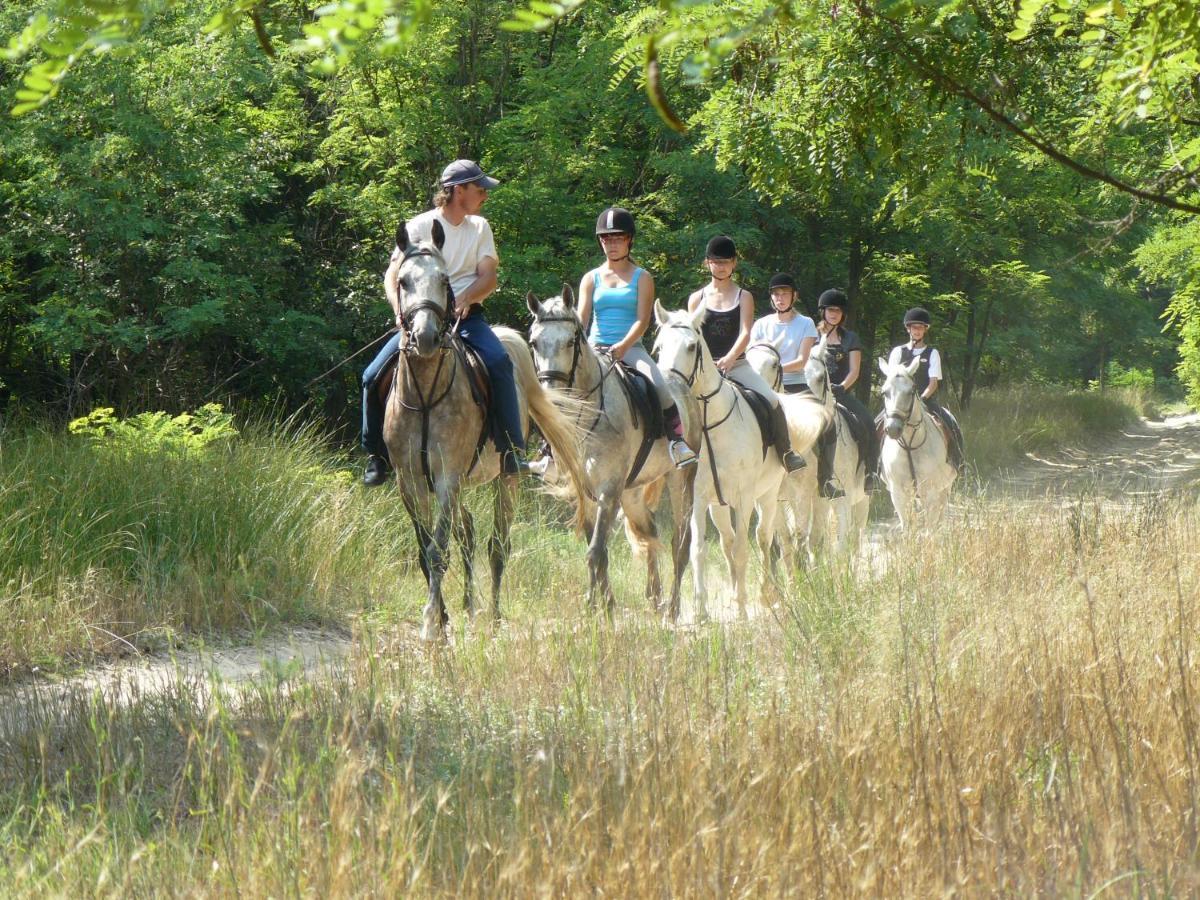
{"points": [[550, 411], [806, 420]]}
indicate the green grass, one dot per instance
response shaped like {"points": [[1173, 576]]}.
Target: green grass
{"points": [[139, 540]]}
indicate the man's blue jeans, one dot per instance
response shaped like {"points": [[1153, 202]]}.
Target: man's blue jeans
{"points": [[476, 333]]}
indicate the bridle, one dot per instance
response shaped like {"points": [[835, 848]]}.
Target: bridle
{"points": [[550, 377], [907, 445], [447, 324], [705, 426], [777, 384]]}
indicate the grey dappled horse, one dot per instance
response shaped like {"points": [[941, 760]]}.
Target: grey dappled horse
{"points": [[611, 436], [799, 527], [850, 510], [914, 457], [432, 427], [733, 473]]}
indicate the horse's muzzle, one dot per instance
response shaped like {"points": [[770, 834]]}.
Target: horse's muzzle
{"points": [[892, 427], [427, 338]]}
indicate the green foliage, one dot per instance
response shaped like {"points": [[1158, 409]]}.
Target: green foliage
{"points": [[156, 432]]}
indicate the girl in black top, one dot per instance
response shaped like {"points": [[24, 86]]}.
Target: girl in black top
{"points": [[845, 365], [726, 330]]}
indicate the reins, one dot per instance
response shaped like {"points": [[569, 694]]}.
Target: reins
{"points": [[705, 399]]}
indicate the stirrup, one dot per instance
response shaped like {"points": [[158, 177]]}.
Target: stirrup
{"points": [[681, 454], [793, 461], [830, 491]]}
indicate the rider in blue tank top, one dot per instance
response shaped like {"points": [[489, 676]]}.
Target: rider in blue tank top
{"points": [[614, 310], [618, 297]]}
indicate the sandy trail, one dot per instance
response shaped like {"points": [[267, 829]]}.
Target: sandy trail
{"points": [[1154, 457]]}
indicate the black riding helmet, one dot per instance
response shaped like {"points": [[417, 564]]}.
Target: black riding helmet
{"points": [[917, 316], [835, 297], [721, 247], [616, 220], [782, 279]]}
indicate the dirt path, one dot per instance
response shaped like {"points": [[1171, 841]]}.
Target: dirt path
{"points": [[1151, 458]]}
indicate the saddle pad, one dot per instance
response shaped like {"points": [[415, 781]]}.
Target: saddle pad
{"points": [[643, 400], [762, 412]]}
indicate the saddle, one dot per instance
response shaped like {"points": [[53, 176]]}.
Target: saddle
{"points": [[645, 408], [477, 378], [761, 407]]}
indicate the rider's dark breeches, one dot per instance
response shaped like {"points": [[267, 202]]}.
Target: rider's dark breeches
{"points": [[372, 415], [956, 443], [863, 428], [477, 334]]}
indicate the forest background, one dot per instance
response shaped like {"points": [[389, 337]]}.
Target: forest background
{"points": [[204, 210]]}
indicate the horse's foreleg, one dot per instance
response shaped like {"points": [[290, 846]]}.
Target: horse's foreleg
{"points": [[737, 554], [726, 520], [681, 485], [696, 554], [435, 617], [500, 543], [768, 511], [597, 557], [643, 538], [465, 532]]}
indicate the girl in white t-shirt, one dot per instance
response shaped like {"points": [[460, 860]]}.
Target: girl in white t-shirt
{"points": [[792, 333]]}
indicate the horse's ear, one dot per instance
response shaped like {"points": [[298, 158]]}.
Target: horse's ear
{"points": [[660, 314], [402, 236], [568, 296], [532, 302], [883, 366], [439, 236], [698, 317], [912, 367]]}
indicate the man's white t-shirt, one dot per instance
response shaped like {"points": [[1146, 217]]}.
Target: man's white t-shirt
{"points": [[466, 244], [787, 336], [935, 360]]}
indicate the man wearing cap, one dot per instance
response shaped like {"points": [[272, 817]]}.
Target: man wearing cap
{"points": [[792, 334], [471, 261]]}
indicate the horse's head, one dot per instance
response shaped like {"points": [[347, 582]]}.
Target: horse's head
{"points": [[764, 359], [556, 337], [679, 347], [816, 370], [899, 395], [423, 289]]}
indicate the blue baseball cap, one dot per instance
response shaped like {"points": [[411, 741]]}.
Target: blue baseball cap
{"points": [[466, 171]]}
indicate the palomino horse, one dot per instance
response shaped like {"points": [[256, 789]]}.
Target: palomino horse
{"points": [[733, 472], [806, 420], [850, 510], [623, 464], [914, 457], [434, 429]]}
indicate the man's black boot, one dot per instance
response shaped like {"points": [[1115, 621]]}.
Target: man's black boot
{"points": [[377, 471]]}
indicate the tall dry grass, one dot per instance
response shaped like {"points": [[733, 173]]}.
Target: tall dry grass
{"points": [[1008, 708]]}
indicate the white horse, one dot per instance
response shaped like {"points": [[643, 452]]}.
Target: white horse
{"points": [[851, 509], [799, 497], [733, 473], [618, 468], [915, 455]]}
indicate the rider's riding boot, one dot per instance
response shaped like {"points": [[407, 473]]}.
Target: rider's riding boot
{"points": [[782, 440], [826, 448], [376, 472], [681, 454], [511, 463]]}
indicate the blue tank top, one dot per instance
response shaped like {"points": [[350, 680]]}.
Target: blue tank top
{"points": [[614, 310]]}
